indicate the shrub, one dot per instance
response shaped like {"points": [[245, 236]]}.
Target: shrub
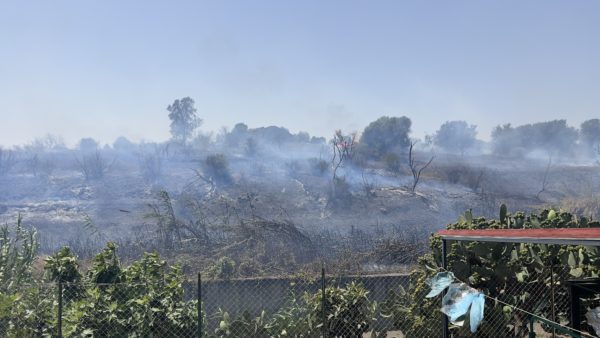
{"points": [[392, 162], [319, 166], [461, 174], [62, 267], [41, 167], [340, 195], [216, 167], [144, 299], [223, 268], [348, 310], [17, 254], [93, 166], [151, 165]]}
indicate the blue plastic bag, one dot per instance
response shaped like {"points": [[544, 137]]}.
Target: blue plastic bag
{"points": [[439, 282], [476, 314], [457, 301]]}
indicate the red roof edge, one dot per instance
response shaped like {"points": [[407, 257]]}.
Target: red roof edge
{"points": [[571, 236]]}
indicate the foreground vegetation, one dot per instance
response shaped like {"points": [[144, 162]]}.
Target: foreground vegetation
{"points": [[528, 277], [143, 299], [146, 298]]}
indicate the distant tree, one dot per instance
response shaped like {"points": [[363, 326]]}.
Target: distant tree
{"points": [[343, 150], [183, 119], [504, 140], [386, 135], [237, 136], [303, 137], [318, 140], [93, 165], [456, 136], [123, 144], [151, 164], [275, 135], [556, 137], [553, 137], [7, 161], [88, 144], [590, 135], [240, 128], [47, 142], [251, 147], [545, 178]]}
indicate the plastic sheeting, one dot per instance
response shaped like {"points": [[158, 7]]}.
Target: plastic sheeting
{"points": [[593, 319], [477, 312], [439, 283], [459, 299]]}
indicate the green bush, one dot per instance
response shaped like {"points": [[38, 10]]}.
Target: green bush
{"points": [[511, 272], [17, 254], [223, 268], [142, 300], [385, 135], [349, 313]]}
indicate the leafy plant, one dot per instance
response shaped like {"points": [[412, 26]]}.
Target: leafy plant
{"points": [[348, 310], [142, 300], [348, 313], [514, 273], [223, 268], [62, 267], [17, 254]]}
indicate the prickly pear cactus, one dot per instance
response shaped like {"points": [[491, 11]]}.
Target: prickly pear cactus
{"points": [[515, 273]]}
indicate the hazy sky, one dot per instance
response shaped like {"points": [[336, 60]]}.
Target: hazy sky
{"points": [[109, 68]]}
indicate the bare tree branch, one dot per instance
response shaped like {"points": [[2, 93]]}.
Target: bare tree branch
{"points": [[414, 167]]}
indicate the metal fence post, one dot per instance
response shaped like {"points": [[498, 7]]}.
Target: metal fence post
{"points": [[323, 310], [552, 295], [199, 295], [60, 309], [445, 331]]}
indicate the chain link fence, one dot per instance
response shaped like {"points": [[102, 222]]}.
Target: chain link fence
{"points": [[305, 306], [539, 308]]}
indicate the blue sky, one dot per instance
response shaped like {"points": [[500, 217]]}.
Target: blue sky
{"points": [[110, 68]]}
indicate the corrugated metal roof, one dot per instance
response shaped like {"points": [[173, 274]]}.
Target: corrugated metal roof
{"points": [[565, 236]]}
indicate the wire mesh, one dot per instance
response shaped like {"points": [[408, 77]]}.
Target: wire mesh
{"points": [[344, 306], [509, 314], [389, 305]]}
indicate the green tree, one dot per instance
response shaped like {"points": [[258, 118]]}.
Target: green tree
{"points": [[384, 136], [88, 145], [553, 137], [456, 136], [589, 134], [184, 119]]}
